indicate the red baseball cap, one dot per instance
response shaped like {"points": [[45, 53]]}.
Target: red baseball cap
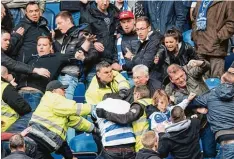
{"points": [[126, 15]]}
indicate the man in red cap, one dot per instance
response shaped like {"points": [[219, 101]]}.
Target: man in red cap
{"points": [[128, 41]]}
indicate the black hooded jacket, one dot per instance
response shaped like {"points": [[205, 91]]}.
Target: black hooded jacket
{"points": [[181, 140], [28, 44], [147, 154], [145, 53], [103, 26]]}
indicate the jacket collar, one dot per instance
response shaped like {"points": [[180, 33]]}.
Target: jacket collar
{"points": [[179, 126], [18, 152], [42, 21], [100, 83], [69, 31]]}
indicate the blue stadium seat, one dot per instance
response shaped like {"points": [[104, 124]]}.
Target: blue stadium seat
{"points": [[212, 82], [79, 94], [84, 146], [54, 6], [50, 16], [55, 156]]}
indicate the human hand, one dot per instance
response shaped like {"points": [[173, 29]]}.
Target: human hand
{"points": [[90, 37], [160, 128], [99, 46], [25, 131], [191, 96], [101, 113], [194, 116], [42, 72], [231, 70], [195, 63], [202, 110], [172, 99], [13, 83], [116, 66], [52, 32], [128, 54], [80, 55], [156, 59], [20, 31]]}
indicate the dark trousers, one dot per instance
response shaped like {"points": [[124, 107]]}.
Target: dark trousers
{"points": [[115, 154]]}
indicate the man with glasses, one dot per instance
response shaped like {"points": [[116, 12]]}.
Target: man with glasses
{"points": [[149, 44]]}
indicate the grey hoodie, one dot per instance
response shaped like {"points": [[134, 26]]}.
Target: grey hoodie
{"points": [[220, 104]]}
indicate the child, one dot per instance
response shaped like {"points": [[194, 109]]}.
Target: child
{"points": [[150, 143], [163, 108]]}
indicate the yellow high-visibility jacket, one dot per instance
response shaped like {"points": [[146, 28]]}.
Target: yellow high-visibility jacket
{"points": [[96, 91], [8, 115], [55, 114], [141, 125]]}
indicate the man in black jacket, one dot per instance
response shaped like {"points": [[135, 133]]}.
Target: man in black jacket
{"points": [[17, 146], [17, 66], [128, 39], [10, 97], [34, 26], [149, 44], [103, 20], [181, 139], [85, 58]]}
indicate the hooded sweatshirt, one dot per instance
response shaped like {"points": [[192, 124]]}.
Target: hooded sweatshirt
{"points": [[147, 154], [220, 104], [181, 140]]}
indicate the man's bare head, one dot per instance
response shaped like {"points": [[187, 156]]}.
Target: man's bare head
{"points": [[177, 75]]}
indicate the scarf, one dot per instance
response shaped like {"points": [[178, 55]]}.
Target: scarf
{"points": [[202, 14], [119, 50]]}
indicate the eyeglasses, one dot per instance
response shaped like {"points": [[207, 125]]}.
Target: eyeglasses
{"points": [[138, 29]]}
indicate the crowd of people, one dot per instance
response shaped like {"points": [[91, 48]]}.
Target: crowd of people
{"points": [[144, 65]]}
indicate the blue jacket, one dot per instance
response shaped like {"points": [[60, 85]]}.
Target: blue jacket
{"points": [[164, 15], [220, 104]]}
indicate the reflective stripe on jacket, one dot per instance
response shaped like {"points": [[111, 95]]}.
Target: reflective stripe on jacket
{"points": [[56, 114], [141, 125], [8, 115], [95, 93]]}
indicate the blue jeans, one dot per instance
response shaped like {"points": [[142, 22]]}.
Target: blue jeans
{"points": [[71, 82], [208, 142], [90, 76], [187, 37], [33, 100], [226, 151]]}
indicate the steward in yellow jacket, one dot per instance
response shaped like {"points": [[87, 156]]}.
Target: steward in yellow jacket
{"points": [[136, 115], [106, 81], [12, 105], [53, 116]]}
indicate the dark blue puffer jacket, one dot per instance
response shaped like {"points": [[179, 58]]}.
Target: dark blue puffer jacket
{"points": [[220, 104]]}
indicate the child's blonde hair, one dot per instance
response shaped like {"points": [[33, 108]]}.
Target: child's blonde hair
{"points": [[149, 139], [160, 94]]}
